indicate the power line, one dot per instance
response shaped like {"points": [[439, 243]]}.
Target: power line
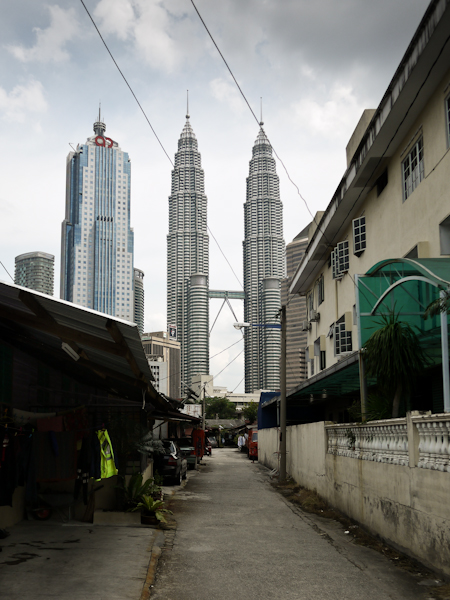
{"points": [[6, 270], [254, 116], [125, 79]]}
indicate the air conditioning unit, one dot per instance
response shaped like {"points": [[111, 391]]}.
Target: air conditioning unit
{"points": [[314, 316], [306, 326]]}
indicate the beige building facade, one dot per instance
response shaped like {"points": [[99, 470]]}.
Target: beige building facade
{"points": [[392, 205]]}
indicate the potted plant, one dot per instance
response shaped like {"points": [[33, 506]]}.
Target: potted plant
{"points": [[152, 511], [136, 489]]}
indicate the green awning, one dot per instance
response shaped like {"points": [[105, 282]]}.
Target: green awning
{"points": [[405, 286], [340, 379]]}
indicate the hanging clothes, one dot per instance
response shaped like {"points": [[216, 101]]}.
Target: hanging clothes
{"points": [[108, 467]]}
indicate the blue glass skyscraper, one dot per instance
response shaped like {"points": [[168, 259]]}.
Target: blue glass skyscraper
{"points": [[97, 245]]}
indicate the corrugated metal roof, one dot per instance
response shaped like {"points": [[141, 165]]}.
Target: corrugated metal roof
{"points": [[108, 347]]}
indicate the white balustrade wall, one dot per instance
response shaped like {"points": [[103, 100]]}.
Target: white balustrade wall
{"points": [[381, 441], [392, 477]]}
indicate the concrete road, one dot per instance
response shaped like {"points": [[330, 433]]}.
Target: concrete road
{"points": [[238, 539], [75, 561]]}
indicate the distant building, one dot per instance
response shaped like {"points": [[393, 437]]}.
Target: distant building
{"points": [[188, 257], [160, 348], [35, 270], [240, 400], [296, 333], [264, 267], [159, 371], [139, 299], [97, 245]]}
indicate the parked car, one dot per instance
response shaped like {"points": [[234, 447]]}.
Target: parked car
{"points": [[171, 464], [187, 448]]}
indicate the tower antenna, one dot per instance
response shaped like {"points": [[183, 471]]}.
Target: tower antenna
{"points": [[261, 120], [187, 104]]}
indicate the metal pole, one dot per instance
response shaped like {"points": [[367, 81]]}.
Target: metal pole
{"points": [[444, 344], [204, 408], [282, 475]]}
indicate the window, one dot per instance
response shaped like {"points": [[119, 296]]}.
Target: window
{"points": [[444, 236], [382, 182], [413, 169], [359, 235], [310, 302], [340, 260], [323, 360], [320, 291], [447, 116], [342, 338]]}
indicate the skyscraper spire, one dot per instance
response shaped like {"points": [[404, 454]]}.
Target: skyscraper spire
{"points": [[99, 125], [264, 267], [187, 104], [188, 257], [261, 122]]}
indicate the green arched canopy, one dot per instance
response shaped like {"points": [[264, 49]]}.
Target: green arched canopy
{"points": [[405, 286]]}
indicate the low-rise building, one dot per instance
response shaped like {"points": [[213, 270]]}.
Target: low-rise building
{"points": [[383, 242]]}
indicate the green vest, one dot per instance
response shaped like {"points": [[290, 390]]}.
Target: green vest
{"points": [[108, 467]]}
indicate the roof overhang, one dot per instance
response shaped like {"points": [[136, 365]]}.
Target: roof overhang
{"points": [[424, 64], [339, 379], [92, 347]]}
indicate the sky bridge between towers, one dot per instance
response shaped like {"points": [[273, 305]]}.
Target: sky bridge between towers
{"points": [[223, 294]]}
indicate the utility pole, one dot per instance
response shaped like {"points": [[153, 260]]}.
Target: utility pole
{"points": [[282, 475], [202, 392]]}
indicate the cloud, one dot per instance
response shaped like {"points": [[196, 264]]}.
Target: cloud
{"points": [[160, 35], [226, 92], [332, 116], [21, 100], [50, 42]]}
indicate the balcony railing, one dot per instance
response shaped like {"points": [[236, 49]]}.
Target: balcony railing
{"points": [[419, 440]]}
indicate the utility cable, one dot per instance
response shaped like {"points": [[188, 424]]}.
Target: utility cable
{"points": [[6, 270], [125, 79], [254, 116]]}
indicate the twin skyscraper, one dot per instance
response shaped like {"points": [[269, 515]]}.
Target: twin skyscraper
{"points": [[97, 250]]}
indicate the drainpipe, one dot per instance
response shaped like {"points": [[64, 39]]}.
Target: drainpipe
{"points": [[282, 475]]}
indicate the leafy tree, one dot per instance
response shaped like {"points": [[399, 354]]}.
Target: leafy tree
{"points": [[394, 356], [221, 407], [250, 412]]}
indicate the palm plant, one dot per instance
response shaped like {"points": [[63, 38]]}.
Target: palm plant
{"points": [[136, 488], [149, 506], [394, 356], [439, 306]]}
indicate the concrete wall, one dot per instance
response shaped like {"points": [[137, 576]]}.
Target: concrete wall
{"points": [[407, 506]]}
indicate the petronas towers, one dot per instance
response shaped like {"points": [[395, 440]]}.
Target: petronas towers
{"points": [[188, 263], [188, 258], [264, 267]]}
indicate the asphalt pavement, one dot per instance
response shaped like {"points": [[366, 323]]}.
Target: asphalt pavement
{"points": [[238, 539]]}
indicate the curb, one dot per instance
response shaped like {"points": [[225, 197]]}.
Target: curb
{"points": [[153, 564]]}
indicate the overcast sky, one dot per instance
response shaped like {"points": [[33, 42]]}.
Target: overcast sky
{"points": [[316, 64]]}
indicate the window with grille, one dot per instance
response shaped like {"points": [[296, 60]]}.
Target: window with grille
{"points": [[342, 338], [359, 235], [413, 169], [340, 259]]}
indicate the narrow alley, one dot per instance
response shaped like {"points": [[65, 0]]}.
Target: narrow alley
{"points": [[237, 538]]}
